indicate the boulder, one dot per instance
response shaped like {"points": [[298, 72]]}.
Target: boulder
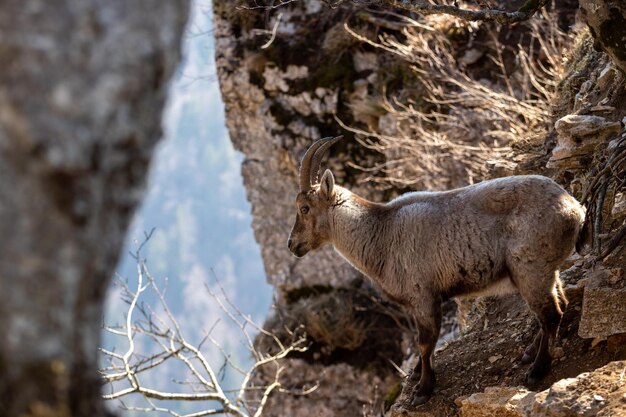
{"points": [[497, 401], [604, 304], [590, 394], [578, 135]]}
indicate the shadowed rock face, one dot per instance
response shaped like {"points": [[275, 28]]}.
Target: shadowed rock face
{"points": [[275, 108], [607, 22], [278, 101], [82, 86]]}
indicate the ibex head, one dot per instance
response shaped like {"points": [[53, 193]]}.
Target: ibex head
{"points": [[311, 229]]}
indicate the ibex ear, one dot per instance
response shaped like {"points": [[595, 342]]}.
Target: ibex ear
{"points": [[327, 185]]}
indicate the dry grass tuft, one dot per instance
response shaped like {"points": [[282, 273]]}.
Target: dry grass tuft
{"points": [[330, 319], [354, 326], [443, 138]]}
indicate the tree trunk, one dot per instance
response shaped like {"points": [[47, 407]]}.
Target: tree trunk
{"points": [[82, 86]]}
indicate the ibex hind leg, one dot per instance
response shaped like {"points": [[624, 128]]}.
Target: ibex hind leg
{"points": [[543, 298], [428, 318], [531, 351], [549, 314]]}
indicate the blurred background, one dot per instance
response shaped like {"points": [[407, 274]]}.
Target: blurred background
{"points": [[196, 203]]}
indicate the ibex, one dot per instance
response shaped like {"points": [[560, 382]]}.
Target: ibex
{"points": [[502, 235]]}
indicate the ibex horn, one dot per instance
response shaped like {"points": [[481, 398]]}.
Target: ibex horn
{"points": [[311, 156], [317, 158]]}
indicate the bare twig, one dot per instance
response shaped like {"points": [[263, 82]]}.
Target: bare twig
{"points": [[525, 12], [503, 17], [170, 344], [274, 30]]}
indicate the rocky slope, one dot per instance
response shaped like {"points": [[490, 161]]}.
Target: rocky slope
{"points": [[303, 71]]}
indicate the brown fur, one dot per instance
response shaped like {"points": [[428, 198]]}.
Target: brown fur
{"points": [[421, 248]]}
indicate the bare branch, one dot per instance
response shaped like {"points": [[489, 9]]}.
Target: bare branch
{"points": [[169, 345], [503, 17], [525, 12]]}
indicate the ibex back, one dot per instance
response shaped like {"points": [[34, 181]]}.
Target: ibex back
{"points": [[507, 234]]}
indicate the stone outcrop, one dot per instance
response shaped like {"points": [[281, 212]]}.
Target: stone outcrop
{"points": [[591, 394], [607, 22], [604, 303], [82, 86], [272, 123], [578, 135]]}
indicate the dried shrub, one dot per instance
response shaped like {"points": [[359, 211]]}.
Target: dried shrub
{"points": [[443, 137], [328, 318], [344, 325]]}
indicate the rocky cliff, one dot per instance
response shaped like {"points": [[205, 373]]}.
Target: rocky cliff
{"points": [[426, 103]]}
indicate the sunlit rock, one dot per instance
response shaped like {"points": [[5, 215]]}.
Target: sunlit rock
{"points": [[578, 135], [497, 401], [590, 394], [604, 304]]}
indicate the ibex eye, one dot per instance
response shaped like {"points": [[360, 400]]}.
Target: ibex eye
{"points": [[304, 209]]}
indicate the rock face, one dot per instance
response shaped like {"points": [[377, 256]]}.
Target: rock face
{"points": [[82, 88], [598, 393], [604, 304], [272, 124], [607, 22], [578, 135]]}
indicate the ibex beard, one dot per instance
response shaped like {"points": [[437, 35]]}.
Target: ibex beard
{"points": [[507, 234]]}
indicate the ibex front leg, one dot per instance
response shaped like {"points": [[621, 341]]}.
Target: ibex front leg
{"points": [[428, 317]]}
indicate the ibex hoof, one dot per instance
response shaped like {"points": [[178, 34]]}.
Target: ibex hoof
{"points": [[530, 380], [419, 398], [535, 374]]}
